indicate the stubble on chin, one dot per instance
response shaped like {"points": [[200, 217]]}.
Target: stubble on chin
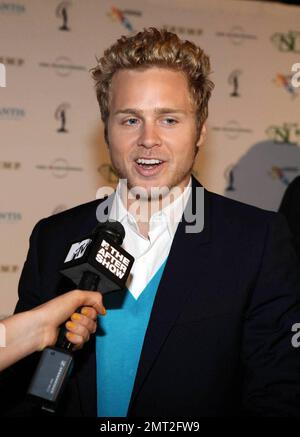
{"points": [[153, 193]]}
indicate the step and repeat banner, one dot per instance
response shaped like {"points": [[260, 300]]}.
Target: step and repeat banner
{"points": [[53, 155]]}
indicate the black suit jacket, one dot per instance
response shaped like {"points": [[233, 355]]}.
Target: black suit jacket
{"points": [[218, 341], [290, 208]]}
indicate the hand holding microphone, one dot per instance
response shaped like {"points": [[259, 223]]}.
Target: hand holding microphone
{"points": [[38, 328], [54, 313], [98, 263]]}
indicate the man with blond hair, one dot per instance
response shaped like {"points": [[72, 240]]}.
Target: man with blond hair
{"points": [[204, 326]]}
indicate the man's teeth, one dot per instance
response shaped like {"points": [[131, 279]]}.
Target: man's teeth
{"points": [[148, 161]]}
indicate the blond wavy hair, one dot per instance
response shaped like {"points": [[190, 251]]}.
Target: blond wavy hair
{"points": [[155, 48]]}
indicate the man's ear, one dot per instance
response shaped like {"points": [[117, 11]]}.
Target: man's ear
{"points": [[202, 136]]}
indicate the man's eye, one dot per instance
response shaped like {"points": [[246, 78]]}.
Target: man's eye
{"points": [[170, 120], [131, 121]]}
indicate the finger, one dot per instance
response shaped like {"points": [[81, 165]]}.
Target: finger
{"points": [[76, 328], [76, 340], [89, 312], [85, 321], [92, 299]]}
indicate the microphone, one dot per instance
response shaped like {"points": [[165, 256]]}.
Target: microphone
{"points": [[97, 263]]}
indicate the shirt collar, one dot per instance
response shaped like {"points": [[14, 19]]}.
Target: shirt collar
{"points": [[171, 214]]}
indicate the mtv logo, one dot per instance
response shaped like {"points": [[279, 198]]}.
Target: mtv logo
{"points": [[77, 250], [2, 335], [2, 76]]}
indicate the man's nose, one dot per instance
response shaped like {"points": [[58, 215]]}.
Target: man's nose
{"points": [[149, 136]]}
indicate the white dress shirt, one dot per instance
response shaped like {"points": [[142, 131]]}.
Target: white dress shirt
{"points": [[151, 252]]}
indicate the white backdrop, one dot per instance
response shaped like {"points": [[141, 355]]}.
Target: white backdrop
{"points": [[52, 151]]}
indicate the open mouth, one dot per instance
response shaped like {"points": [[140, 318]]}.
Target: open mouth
{"points": [[149, 163], [148, 167]]}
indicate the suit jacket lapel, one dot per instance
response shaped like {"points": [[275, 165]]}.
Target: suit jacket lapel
{"points": [[174, 287]]}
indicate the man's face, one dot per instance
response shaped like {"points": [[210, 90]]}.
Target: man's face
{"points": [[152, 117]]}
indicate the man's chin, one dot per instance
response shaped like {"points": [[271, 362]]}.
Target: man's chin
{"points": [[148, 192]]}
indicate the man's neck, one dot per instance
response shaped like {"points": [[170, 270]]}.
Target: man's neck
{"points": [[143, 209]]}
